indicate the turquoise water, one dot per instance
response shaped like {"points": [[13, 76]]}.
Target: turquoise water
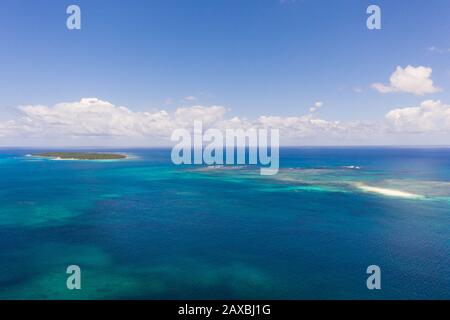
{"points": [[144, 228]]}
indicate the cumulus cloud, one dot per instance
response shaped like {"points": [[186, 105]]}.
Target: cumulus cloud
{"points": [[92, 117], [183, 117], [430, 116], [92, 121], [316, 106], [415, 80], [190, 98], [300, 129]]}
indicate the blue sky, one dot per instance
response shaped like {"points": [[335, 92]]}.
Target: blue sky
{"points": [[255, 57]]}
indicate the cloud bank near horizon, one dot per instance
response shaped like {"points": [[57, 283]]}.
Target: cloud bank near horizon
{"points": [[92, 121]]}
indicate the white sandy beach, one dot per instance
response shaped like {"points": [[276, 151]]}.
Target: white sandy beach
{"points": [[388, 192]]}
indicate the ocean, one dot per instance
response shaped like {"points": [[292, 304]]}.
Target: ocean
{"points": [[143, 228]]}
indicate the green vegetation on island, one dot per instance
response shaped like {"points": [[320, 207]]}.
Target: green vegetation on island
{"points": [[81, 155]]}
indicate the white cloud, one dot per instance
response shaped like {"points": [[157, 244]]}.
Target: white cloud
{"points": [[101, 120], [317, 106], [95, 122], [438, 49], [92, 117], [430, 116], [190, 98], [208, 115], [299, 130], [415, 80]]}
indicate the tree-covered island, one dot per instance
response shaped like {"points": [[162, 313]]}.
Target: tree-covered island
{"points": [[80, 155]]}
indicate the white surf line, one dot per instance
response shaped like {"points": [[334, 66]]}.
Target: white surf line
{"points": [[389, 192]]}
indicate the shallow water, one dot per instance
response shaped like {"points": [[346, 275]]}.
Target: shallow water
{"points": [[144, 228]]}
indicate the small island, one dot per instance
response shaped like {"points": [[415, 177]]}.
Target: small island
{"points": [[80, 155]]}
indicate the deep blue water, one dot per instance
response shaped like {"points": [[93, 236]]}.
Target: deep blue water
{"points": [[144, 228]]}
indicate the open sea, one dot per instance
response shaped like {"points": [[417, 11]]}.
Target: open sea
{"points": [[143, 228]]}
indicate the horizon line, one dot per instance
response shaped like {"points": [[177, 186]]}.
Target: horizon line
{"points": [[169, 147]]}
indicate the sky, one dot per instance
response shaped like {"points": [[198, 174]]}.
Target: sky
{"points": [[137, 70]]}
